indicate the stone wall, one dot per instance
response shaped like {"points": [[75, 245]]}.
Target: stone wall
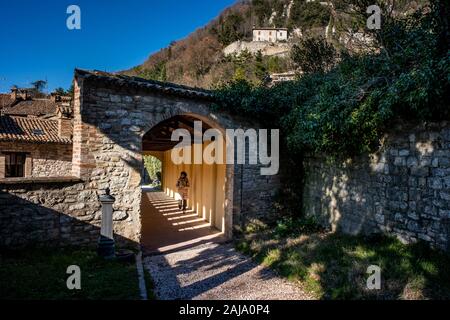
{"points": [[58, 211], [45, 160], [404, 189], [254, 195], [47, 213], [108, 129]]}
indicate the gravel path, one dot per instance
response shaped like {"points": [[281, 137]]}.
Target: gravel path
{"points": [[216, 272]]}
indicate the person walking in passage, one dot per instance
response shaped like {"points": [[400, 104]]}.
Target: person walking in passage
{"points": [[183, 190]]}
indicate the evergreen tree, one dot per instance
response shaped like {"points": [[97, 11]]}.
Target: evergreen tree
{"points": [[260, 67]]}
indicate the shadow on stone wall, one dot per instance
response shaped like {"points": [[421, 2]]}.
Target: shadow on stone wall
{"points": [[403, 189], [30, 218]]}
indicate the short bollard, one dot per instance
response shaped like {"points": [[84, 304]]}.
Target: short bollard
{"points": [[105, 247]]}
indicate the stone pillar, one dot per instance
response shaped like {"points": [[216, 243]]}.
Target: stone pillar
{"points": [[106, 240], [2, 166], [64, 126], [84, 135], [28, 166], [14, 93]]}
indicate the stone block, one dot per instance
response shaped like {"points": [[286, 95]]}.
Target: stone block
{"points": [[400, 161], [404, 153], [420, 171], [445, 196], [412, 162], [435, 183], [115, 98]]}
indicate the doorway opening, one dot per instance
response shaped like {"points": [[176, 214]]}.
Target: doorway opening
{"points": [[152, 173], [208, 215]]}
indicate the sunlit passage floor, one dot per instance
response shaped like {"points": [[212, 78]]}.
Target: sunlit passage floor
{"points": [[165, 228]]}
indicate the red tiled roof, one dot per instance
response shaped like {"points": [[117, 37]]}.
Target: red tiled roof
{"points": [[30, 130], [35, 107]]}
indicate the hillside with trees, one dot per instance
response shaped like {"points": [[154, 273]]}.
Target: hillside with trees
{"points": [[198, 60]]}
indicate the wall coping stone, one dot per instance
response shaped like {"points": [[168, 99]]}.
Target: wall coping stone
{"points": [[33, 180], [119, 80]]}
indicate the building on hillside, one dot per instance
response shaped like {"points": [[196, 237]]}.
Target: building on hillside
{"points": [[270, 34], [35, 136], [323, 3], [282, 77]]}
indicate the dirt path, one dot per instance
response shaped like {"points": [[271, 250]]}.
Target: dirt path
{"points": [[216, 272]]}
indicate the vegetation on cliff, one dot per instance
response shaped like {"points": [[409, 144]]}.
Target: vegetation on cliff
{"points": [[198, 60], [344, 109]]}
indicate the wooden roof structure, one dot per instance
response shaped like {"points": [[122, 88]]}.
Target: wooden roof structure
{"points": [[159, 137]]}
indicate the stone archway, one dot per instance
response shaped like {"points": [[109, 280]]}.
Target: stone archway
{"points": [[208, 206], [112, 113]]}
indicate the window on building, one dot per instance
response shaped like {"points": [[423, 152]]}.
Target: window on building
{"points": [[15, 164], [38, 132]]}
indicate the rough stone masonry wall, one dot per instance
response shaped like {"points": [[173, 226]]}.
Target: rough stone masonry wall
{"points": [[56, 213], [254, 195], [108, 135], [403, 190], [47, 160]]}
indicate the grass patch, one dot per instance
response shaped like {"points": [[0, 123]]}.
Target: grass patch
{"points": [[334, 266], [40, 274]]}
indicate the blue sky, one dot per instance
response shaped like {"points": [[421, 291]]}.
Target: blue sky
{"points": [[115, 35]]}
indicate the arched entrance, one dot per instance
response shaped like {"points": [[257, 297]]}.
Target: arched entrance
{"points": [[113, 113], [164, 225]]}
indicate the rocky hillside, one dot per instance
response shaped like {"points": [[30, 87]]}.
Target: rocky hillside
{"points": [[199, 59]]}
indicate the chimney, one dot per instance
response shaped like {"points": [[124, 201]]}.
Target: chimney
{"points": [[64, 122], [55, 97], [22, 94], [14, 93]]}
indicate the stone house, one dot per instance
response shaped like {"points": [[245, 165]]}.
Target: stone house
{"points": [[35, 136], [270, 34]]}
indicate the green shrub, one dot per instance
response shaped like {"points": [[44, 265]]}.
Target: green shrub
{"points": [[309, 14], [153, 167], [312, 55]]}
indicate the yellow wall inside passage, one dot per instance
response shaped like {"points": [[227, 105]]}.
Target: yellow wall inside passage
{"points": [[207, 191]]}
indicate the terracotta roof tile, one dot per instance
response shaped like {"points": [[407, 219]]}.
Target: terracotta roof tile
{"points": [[30, 130], [35, 107]]}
